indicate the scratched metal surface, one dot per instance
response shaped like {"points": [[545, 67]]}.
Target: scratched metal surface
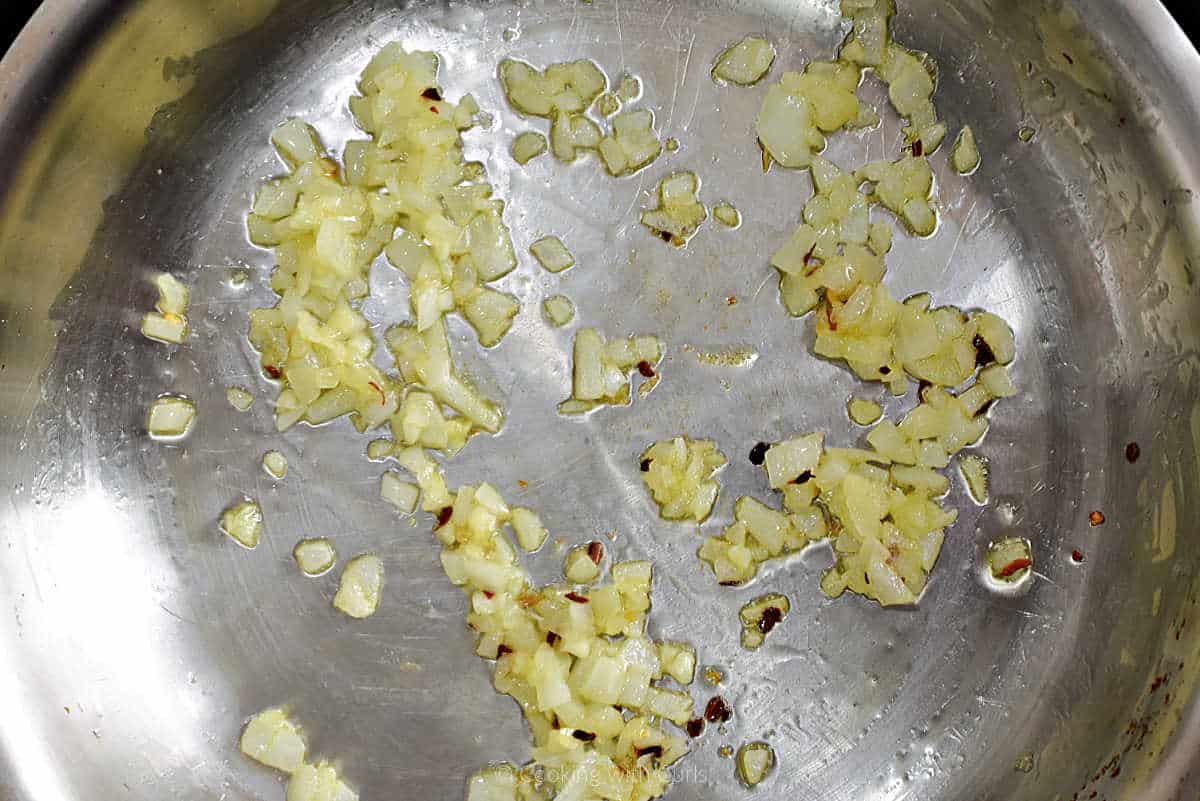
{"points": [[135, 639]]}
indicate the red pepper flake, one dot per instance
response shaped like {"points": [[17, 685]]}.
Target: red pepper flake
{"points": [[651, 750], [551, 638], [443, 516], [502, 649], [645, 369], [432, 93], [585, 736], [595, 552], [829, 317], [736, 584], [1013, 567], [695, 727], [771, 617], [918, 149], [758, 454], [1132, 452], [645, 465], [489, 594], [1077, 556], [272, 371], [576, 597], [382, 397], [717, 711], [1121, 121], [1096, 518], [731, 300], [1067, 56], [434, 109]]}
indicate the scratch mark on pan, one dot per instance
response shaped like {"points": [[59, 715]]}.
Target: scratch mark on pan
{"points": [[962, 229], [765, 281], [620, 33], [683, 82]]}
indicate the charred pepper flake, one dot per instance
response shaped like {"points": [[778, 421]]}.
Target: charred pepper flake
{"points": [[645, 369], [649, 750], [758, 454], [1077, 555], [585, 736], [1013, 566], [771, 617], [646, 465], [1132, 452], [918, 149], [576, 597], [432, 93], [551, 638], [717, 711], [983, 352], [444, 514], [1096, 517], [800, 479], [502, 649], [885, 370], [595, 552], [695, 727], [665, 236], [272, 371]]}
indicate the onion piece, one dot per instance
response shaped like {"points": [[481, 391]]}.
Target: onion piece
{"points": [[170, 417], [727, 215], [360, 586], [271, 738], [746, 62], [558, 309], [579, 567], [1010, 559], [314, 557], [527, 146], [760, 616], [754, 762], [864, 412], [679, 213], [319, 782], [275, 463], [965, 155], [552, 254], [239, 399], [171, 328], [244, 523], [974, 471], [679, 474], [399, 493]]}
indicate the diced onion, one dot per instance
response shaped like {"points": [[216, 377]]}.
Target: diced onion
{"points": [[727, 215], [754, 762], [275, 463], [679, 474], [527, 146], [679, 212], [239, 399], [1010, 559], [171, 328], [760, 616], [314, 557], [170, 417], [965, 155], [579, 566], [274, 740], [864, 412], [746, 62], [552, 254], [559, 310], [318, 782], [244, 523], [399, 493], [974, 471], [360, 586]]}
